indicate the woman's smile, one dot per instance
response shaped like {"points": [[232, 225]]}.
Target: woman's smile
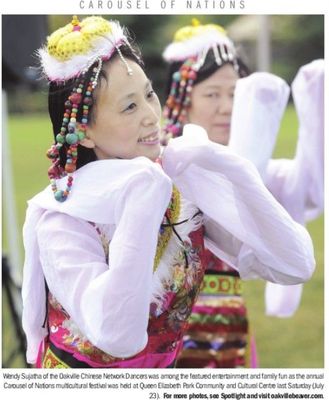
{"points": [[151, 139]]}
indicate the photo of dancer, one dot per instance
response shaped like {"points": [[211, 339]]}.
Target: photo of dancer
{"points": [[117, 245]]}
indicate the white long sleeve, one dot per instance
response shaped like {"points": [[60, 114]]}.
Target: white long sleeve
{"points": [[109, 303], [259, 103], [246, 228], [299, 183]]}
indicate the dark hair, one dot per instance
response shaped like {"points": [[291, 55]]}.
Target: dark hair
{"points": [[59, 93], [208, 68]]}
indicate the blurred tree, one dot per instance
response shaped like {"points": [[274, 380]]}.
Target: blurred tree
{"points": [[296, 40], [22, 35]]}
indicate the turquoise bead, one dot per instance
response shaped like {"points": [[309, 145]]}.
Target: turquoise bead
{"points": [[59, 196], [81, 135], [176, 76], [72, 138], [60, 138]]}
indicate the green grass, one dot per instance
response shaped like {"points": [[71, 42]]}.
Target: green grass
{"points": [[29, 138], [294, 342]]}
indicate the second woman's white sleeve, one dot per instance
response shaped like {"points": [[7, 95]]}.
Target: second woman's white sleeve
{"points": [[256, 122], [298, 184]]}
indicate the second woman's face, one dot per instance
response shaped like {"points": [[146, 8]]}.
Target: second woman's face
{"points": [[212, 103], [127, 115]]}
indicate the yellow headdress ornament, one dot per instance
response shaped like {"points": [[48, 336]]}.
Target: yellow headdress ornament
{"points": [[76, 46], [195, 40]]}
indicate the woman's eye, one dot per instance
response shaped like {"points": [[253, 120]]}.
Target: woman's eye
{"points": [[130, 107], [212, 95], [150, 94]]}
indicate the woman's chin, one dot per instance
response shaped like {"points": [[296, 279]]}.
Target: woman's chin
{"points": [[220, 136], [153, 152]]}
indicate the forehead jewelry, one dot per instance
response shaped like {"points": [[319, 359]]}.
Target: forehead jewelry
{"points": [[129, 70]]}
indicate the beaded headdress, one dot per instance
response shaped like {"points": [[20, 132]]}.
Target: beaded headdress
{"points": [[190, 46], [70, 53]]}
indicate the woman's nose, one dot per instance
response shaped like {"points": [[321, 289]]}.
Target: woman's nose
{"points": [[225, 105], [151, 114]]}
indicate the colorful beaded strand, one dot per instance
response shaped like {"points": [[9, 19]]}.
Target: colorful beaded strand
{"points": [[179, 99], [72, 132]]}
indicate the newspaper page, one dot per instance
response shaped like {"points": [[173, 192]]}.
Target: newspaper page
{"points": [[287, 352]]}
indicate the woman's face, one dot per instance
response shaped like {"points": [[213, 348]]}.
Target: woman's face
{"points": [[127, 115], [212, 102]]}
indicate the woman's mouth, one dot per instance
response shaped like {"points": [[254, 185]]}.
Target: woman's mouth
{"points": [[223, 125], [151, 139]]}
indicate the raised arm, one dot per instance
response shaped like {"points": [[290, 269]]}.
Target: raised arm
{"points": [[298, 184], [259, 103]]}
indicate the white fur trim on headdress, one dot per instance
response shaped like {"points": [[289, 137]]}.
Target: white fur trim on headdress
{"points": [[104, 47], [181, 50]]}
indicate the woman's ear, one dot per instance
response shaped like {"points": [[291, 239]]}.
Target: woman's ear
{"points": [[87, 142]]}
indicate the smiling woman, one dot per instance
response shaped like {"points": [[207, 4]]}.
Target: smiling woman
{"points": [[114, 246], [127, 113]]}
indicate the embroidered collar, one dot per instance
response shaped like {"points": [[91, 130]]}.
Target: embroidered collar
{"points": [[166, 231]]}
